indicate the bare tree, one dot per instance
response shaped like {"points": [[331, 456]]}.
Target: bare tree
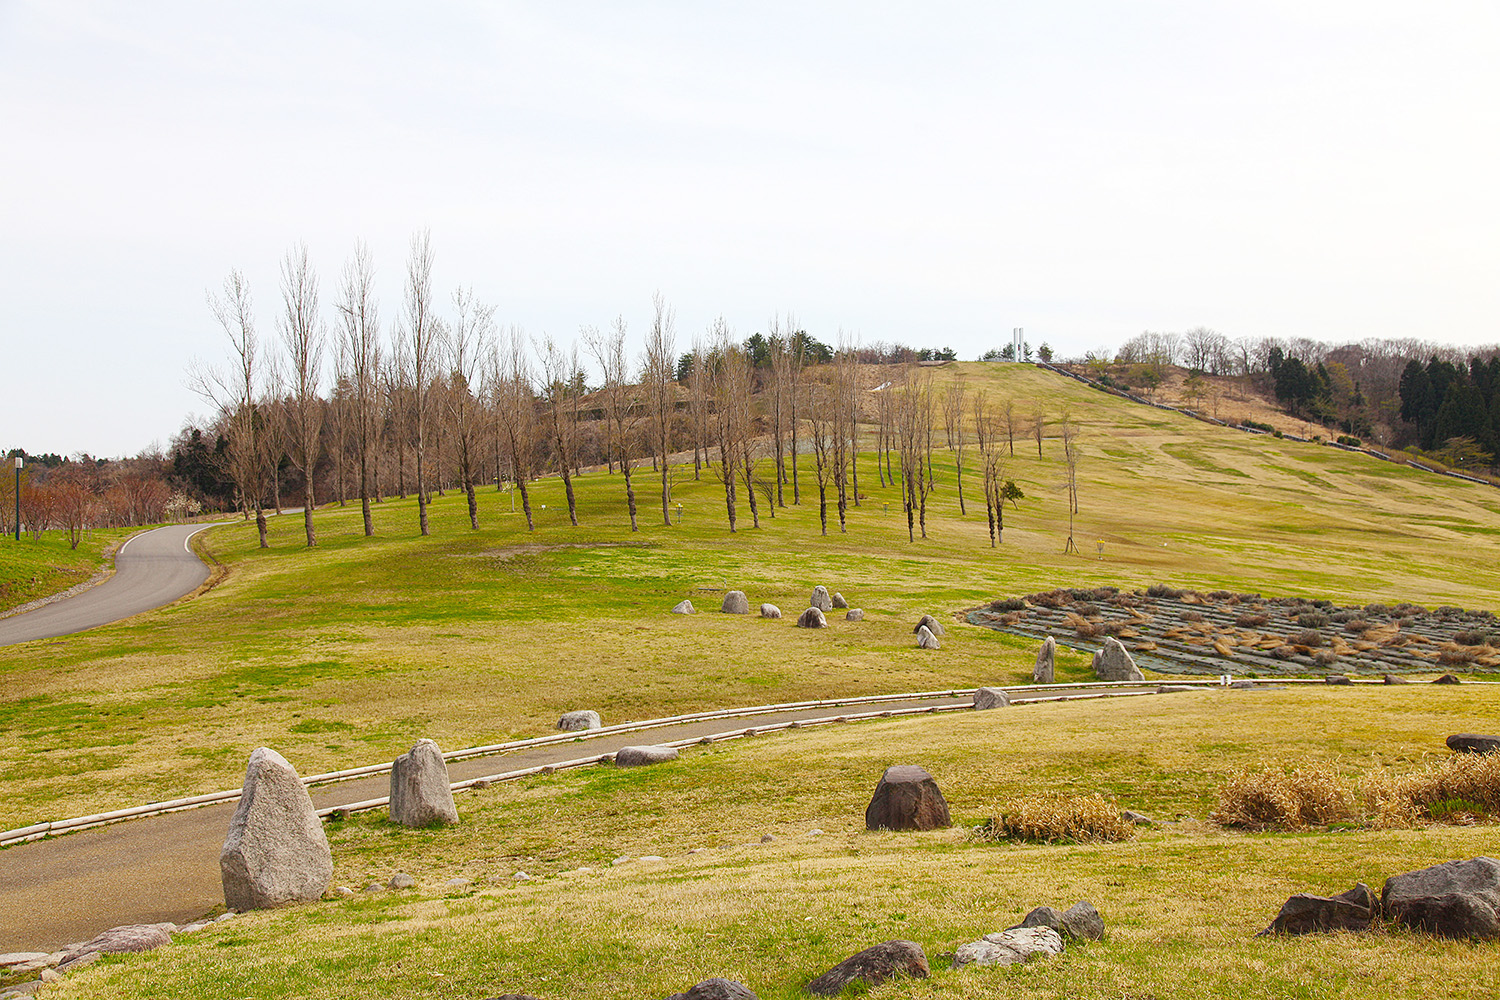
{"points": [[953, 431], [473, 328], [1038, 424], [235, 391], [516, 410], [302, 335], [997, 488], [1008, 413], [360, 363], [699, 406], [421, 332], [820, 410], [780, 388], [1070, 459], [913, 414], [621, 401], [556, 376], [661, 341]]}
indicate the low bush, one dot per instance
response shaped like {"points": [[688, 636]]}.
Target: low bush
{"points": [[1049, 819], [1356, 625], [1307, 637], [1350, 441], [1008, 604], [1192, 616], [1324, 657], [1431, 794], [1284, 652], [1250, 620], [1273, 799], [1457, 656], [1313, 619], [1472, 638], [1051, 599], [1379, 610], [1164, 591]]}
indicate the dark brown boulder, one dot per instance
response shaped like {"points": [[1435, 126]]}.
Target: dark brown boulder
{"points": [[1473, 743], [872, 966], [716, 989], [1447, 679], [1456, 899], [1353, 910], [907, 798], [1396, 679], [1337, 679]]}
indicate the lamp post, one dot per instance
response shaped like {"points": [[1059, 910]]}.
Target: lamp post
{"points": [[18, 497]]}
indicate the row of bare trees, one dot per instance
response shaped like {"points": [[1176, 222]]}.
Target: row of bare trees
{"points": [[75, 495]]}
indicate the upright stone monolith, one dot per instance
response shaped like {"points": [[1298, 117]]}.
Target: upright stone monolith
{"points": [[821, 600], [1046, 662], [420, 795], [276, 852]]}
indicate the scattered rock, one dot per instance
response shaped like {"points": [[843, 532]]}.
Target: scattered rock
{"points": [[991, 698], [838, 600], [458, 883], [1241, 685], [82, 961], [1456, 899], [926, 640], [684, 608], [812, 618], [650, 857], [1114, 663], [276, 852], [401, 880], [1303, 913], [735, 603], [716, 989], [1396, 679], [770, 611], [1447, 679], [21, 958], [521, 877], [637, 756], [1018, 944], [420, 795], [854, 615], [1174, 688], [815, 832], [1041, 916], [820, 598], [873, 966], [573, 722], [373, 888], [131, 937], [1045, 670], [1337, 679], [767, 838], [1082, 922], [1139, 819], [907, 798], [931, 624], [1473, 743]]}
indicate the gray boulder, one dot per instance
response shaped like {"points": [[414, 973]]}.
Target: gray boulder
{"points": [[1337, 679], [1079, 922], [873, 966], [735, 603], [991, 698], [854, 615], [276, 852], [1395, 679], [574, 722], [638, 756], [1046, 662], [926, 640], [838, 601], [1114, 663], [907, 798], [684, 608], [1353, 910], [1019, 944], [1473, 743], [420, 795], [820, 599], [1456, 899], [131, 937], [812, 618], [716, 989], [770, 611], [931, 624]]}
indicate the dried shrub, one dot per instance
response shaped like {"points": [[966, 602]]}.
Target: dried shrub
{"points": [[1192, 616], [1248, 620], [1324, 657], [1221, 595], [1472, 638], [1008, 604], [1049, 819], [1051, 598], [1307, 637], [1164, 591], [1355, 626], [1379, 610], [1284, 652], [1312, 619], [1406, 622], [1406, 609], [1087, 610], [1432, 794], [1086, 630], [1248, 598], [1457, 656], [1011, 618], [1342, 617], [1273, 799]]}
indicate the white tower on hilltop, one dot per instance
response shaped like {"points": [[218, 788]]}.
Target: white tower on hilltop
{"points": [[1017, 340]]}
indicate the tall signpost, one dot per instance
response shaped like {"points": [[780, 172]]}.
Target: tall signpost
{"points": [[18, 497]]}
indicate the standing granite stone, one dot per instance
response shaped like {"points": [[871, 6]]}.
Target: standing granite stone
{"points": [[854, 615], [907, 798], [1046, 662], [991, 698], [770, 611], [926, 640], [931, 624], [1456, 899], [276, 852], [812, 618], [1079, 922], [1114, 663], [1353, 910], [873, 966], [573, 722], [420, 795], [838, 601], [820, 598], [735, 603], [684, 607]]}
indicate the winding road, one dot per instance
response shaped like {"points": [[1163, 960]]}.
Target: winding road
{"points": [[152, 569]]}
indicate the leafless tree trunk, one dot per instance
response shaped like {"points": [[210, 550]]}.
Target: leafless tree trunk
{"points": [[699, 391], [421, 333], [235, 392], [1070, 459], [1009, 413], [472, 330], [359, 327], [622, 402], [302, 333], [555, 376], [1038, 425], [517, 408], [953, 429], [780, 388], [660, 344], [821, 410]]}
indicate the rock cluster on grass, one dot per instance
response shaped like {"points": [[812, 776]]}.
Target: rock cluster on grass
{"points": [[52, 966], [576, 722], [991, 697], [907, 798], [854, 615], [926, 639], [812, 618], [716, 989], [1079, 922], [1455, 899], [1009, 947], [420, 793], [770, 611], [1114, 663], [276, 852], [1473, 743], [638, 756], [684, 607], [820, 599], [838, 601], [735, 603], [1304, 913], [931, 624], [873, 966], [1046, 662]]}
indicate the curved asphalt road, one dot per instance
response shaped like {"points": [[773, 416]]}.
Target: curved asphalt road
{"points": [[151, 569]]}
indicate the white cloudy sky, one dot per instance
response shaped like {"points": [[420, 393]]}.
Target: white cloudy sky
{"points": [[933, 174]]}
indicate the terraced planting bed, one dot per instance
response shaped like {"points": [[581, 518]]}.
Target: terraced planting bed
{"points": [[1190, 632]]}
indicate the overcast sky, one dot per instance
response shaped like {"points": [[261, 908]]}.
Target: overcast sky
{"points": [[930, 174]]}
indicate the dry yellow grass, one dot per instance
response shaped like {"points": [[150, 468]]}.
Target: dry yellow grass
{"points": [[1050, 819]]}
